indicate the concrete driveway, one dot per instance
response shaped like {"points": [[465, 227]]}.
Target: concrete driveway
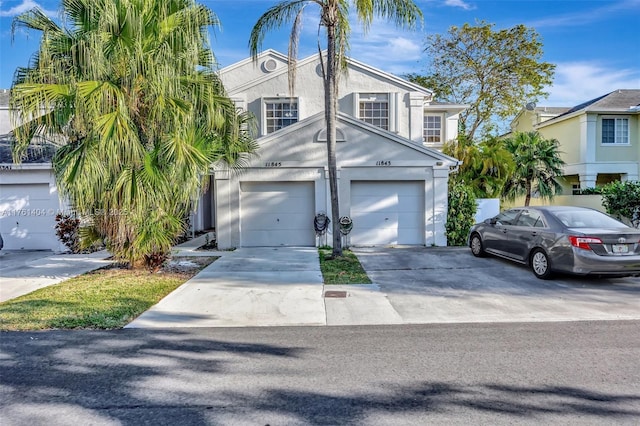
{"points": [[445, 285], [24, 271], [246, 287]]}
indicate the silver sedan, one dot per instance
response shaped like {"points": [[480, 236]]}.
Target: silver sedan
{"points": [[551, 239]]}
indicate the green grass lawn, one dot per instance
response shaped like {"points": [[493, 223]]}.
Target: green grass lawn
{"points": [[102, 299], [344, 270]]}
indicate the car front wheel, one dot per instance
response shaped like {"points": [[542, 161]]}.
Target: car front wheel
{"points": [[476, 246], [540, 264]]}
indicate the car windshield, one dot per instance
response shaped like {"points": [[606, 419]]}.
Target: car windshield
{"points": [[587, 219]]}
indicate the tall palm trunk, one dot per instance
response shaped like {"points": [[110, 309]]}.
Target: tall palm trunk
{"points": [[330, 96], [527, 198]]}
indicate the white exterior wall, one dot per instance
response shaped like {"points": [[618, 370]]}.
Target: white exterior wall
{"points": [[249, 81], [27, 215], [364, 153]]}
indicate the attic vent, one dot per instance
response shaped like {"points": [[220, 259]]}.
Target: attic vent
{"points": [[321, 136], [269, 65]]}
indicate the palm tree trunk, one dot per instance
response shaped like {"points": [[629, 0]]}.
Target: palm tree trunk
{"points": [[527, 198], [330, 96]]}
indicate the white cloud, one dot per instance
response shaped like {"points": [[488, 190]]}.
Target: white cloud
{"points": [[396, 54], [578, 82], [25, 6], [580, 18], [387, 47], [459, 3]]}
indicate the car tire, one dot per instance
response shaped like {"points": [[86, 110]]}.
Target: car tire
{"points": [[475, 243], [540, 264]]}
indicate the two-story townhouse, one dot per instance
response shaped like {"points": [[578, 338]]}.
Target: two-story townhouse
{"points": [[599, 139], [392, 180]]}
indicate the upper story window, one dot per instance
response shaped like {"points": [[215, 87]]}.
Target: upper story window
{"points": [[373, 108], [432, 129], [615, 131], [279, 113]]}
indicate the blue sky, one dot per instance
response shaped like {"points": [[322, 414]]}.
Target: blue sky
{"points": [[595, 44]]}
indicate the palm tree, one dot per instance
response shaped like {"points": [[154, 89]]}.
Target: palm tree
{"points": [[486, 166], [334, 18], [538, 166], [131, 89]]}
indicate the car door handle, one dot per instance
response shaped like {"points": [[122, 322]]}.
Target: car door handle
{"points": [[534, 233], [504, 231]]}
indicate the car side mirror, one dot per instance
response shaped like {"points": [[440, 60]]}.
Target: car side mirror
{"points": [[491, 221]]}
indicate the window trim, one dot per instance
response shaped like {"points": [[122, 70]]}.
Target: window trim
{"points": [[392, 106], [373, 99], [276, 100], [615, 122], [424, 127]]}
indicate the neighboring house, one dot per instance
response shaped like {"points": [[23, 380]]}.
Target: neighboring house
{"points": [[29, 198], [599, 139], [392, 180]]}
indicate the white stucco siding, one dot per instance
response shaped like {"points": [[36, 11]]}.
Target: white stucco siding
{"points": [[254, 84], [295, 158]]}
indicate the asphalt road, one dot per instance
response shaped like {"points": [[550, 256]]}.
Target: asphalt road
{"points": [[520, 373]]}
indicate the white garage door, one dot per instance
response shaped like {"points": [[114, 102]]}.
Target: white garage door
{"points": [[276, 214], [387, 212], [27, 216]]}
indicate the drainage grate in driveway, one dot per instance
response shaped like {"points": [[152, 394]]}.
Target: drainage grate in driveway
{"points": [[334, 293]]}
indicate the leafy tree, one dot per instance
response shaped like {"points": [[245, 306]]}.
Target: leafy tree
{"points": [[485, 166], [334, 19], [538, 166], [461, 213], [622, 200], [130, 88], [494, 72]]}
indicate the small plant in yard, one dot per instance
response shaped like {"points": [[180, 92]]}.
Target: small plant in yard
{"points": [[341, 270], [67, 228]]}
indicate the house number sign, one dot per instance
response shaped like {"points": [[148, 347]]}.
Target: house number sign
{"points": [[383, 163], [273, 164]]}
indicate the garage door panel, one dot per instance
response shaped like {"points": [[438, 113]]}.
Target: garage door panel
{"points": [[278, 221], [387, 212], [277, 214], [27, 216], [374, 220], [411, 220], [382, 236], [366, 203]]}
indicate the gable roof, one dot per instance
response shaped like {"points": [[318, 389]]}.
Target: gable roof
{"points": [[347, 119], [618, 101], [352, 63]]}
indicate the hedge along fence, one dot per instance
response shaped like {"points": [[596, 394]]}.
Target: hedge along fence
{"points": [[461, 213]]}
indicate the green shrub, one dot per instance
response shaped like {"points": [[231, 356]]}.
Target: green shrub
{"points": [[461, 213], [622, 200]]}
